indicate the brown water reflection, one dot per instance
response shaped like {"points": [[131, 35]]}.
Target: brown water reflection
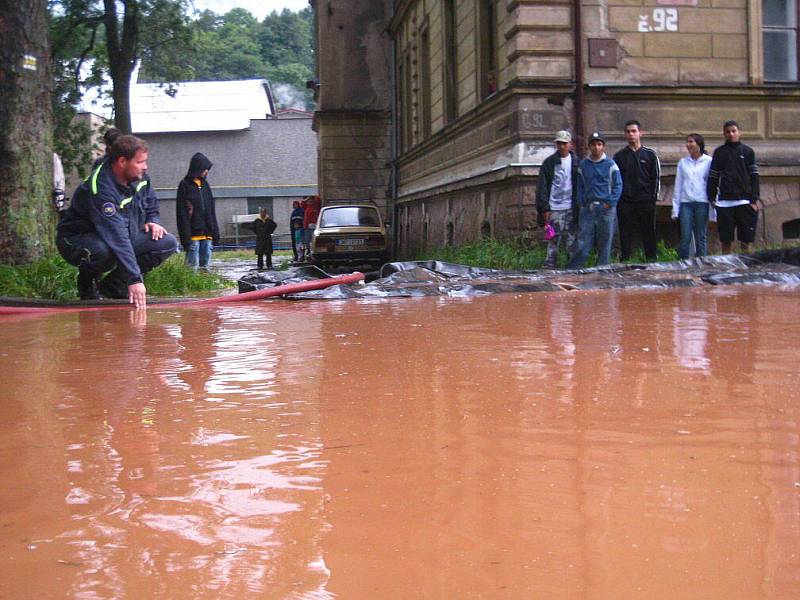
{"points": [[581, 445]]}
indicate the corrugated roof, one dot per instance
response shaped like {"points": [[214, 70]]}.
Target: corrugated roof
{"points": [[200, 106]]}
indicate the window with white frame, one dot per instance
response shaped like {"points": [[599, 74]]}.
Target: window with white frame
{"points": [[780, 39]]}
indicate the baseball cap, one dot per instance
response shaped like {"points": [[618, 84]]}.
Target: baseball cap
{"points": [[563, 136], [596, 136]]}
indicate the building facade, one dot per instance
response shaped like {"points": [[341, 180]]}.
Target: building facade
{"points": [[475, 90], [271, 163], [353, 93]]}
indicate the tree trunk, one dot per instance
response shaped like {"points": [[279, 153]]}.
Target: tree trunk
{"points": [[122, 102], [122, 44], [27, 217]]}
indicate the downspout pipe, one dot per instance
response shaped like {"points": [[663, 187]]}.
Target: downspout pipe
{"points": [[580, 83], [394, 141]]}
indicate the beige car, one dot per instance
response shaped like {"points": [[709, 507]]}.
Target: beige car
{"points": [[351, 234]]}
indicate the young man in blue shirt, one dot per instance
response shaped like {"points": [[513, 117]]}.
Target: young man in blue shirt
{"points": [[599, 188]]}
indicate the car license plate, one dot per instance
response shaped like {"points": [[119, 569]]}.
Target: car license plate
{"points": [[351, 242]]}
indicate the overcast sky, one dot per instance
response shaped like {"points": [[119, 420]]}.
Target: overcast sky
{"points": [[259, 8]]}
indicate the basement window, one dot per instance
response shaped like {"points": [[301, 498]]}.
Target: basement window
{"points": [[791, 230]]}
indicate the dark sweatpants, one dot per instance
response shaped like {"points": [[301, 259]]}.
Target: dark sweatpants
{"points": [[92, 255], [631, 215]]}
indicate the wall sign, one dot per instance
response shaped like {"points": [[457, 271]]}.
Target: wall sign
{"points": [[661, 19]]}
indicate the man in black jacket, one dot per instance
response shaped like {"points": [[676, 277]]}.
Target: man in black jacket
{"points": [[113, 223], [196, 214], [556, 197], [734, 175], [641, 183]]}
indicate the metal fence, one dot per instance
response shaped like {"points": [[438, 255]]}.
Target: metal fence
{"points": [[280, 241]]}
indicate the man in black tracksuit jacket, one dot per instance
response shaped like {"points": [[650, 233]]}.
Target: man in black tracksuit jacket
{"points": [[734, 175], [641, 183], [113, 223]]}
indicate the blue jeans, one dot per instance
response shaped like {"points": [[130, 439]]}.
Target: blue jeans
{"points": [[694, 222], [198, 254], [595, 224]]}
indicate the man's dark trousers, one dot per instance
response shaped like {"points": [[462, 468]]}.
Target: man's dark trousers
{"points": [[631, 214], [294, 244], [93, 256]]}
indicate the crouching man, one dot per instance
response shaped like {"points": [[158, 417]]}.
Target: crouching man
{"points": [[113, 225]]}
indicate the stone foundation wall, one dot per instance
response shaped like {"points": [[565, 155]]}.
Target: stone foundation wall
{"points": [[507, 209], [502, 210]]}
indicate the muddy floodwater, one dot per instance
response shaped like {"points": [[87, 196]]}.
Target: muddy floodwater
{"points": [[597, 445]]}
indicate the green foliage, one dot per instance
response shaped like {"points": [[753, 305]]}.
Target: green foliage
{"points": [[236, 46], [174, 278], [81, 56], [112, 37], [287, 49], [521, 254], [53, 279], [72, 41], [664, 253], [49, 278], [167, 53], [172, 47], [513, 255], [226, 47], [286, 38]]}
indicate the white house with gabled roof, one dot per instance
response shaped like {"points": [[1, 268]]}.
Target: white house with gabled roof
{"points": [[261, 157]]}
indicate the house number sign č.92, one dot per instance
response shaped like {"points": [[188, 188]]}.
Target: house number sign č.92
{"points": [[662, 19]]}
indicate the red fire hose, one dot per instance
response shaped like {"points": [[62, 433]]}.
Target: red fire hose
{"points": [[280, 290]]}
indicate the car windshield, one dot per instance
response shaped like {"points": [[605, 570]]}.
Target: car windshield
{"points": [[350, 216]]}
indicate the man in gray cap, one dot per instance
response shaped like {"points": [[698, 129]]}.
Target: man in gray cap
{"points": [[556, 197]]}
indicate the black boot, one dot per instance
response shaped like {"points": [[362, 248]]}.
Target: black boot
{"points": [[260, 262], [113, 286], [87, 286]]}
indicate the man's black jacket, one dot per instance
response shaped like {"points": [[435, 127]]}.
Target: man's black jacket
{"points": [[195, 212], [734, 172], [641, 174]]}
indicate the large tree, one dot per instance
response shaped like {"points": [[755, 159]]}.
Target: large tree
{"points": [[26, 156], [128, 31], [226, 47], [74, 66], [287, 49]]}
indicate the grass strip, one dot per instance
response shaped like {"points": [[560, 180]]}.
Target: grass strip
{"points": [[53, 279], [521, 254]]}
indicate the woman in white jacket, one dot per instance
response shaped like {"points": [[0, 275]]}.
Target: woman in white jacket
{"points": [[690, 202]]}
